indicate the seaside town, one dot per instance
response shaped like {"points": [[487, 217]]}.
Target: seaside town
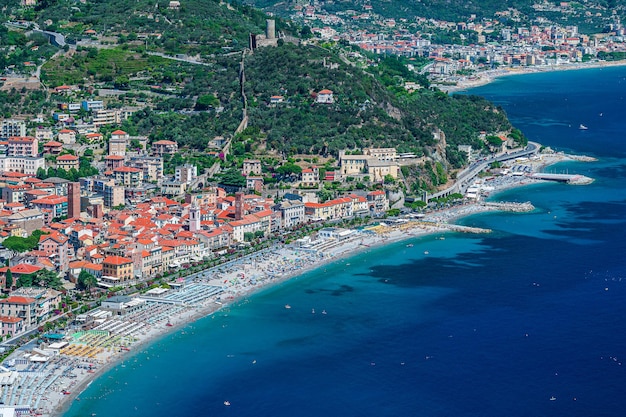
{"points": [[461, 51], [162, 252], [107, 241]]}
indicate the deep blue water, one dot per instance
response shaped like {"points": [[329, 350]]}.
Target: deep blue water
{"points": [[490, 325]]}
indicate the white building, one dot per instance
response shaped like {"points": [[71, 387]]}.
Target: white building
{"points": [[186, 173], [325, 97], [12, 127]]}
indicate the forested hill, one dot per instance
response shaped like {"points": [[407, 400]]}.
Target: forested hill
{"points": [[461, 10], [380, 104], [195, 27], [370, 108]]}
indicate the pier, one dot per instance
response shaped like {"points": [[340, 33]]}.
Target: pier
{"points": [[509, 206], [566, 178]]}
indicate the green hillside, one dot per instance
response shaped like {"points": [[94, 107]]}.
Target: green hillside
{"points": [[194, 104], [198, 27], [365, 111], [460, 10]]}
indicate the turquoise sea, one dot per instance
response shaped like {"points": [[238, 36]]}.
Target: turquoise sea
{"points": [[489, 325]]}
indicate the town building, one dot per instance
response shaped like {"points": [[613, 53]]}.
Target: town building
{"points": [[162, 147], [106, 117], [24, 308], [113, 195], [27, 220], [66, 136], [116, 270], [151, 166], [128, 176], [112, 162], [24, 164], [57, 245], [251, 166], [12, 127], [325, 97], [186, 173], [53, 147], [23, 146], [91, 105], [118, 143], [310, 177], [292, 213], [67, 162], [53, 206]]}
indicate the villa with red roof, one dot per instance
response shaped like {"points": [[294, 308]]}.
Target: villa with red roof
{"points": [[67, 162], [67, 136], [162, 147], [53, 147], [325, 97]]}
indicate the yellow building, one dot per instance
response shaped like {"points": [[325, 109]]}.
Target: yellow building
{"points": [[117, 269]]}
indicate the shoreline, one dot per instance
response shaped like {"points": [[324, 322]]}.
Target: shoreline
{"points": [[489, 76], [295, 262]]}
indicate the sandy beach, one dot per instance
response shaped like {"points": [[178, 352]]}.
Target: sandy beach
{"points": [[49, 378], [486, 77]]}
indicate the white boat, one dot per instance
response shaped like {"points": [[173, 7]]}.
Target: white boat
{"points": [[312, 311], [583, 127], [226, 403], [323, 311], [287, 306], [553, 398]]}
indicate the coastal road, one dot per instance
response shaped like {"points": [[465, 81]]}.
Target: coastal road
{"points": [[466, 176]]}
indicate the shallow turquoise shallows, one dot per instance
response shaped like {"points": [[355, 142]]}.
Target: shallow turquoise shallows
{"points": [[526, 321]]}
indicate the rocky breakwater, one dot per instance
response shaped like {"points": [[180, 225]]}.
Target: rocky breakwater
{"points": [[509, 206]]}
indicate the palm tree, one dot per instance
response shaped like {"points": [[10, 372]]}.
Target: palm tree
{"points": [[86, 281]]}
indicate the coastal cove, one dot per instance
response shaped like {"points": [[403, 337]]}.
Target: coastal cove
{"points": [[494, 324]]}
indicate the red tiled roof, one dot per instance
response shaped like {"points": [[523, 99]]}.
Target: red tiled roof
{"points": [[14, 299], [9, 319], [21, 139], [117, 260], [67, 158], [52, 199], [126, 169], [22, 269]]}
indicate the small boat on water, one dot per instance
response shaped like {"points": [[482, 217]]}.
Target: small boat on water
{"points": [[312, 311], [226, 403], [582, 127], [410, 245], [426, 252], [553, 398], [323, 311], [287, 306]]}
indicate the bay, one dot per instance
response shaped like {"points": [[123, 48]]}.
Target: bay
{"points": [[492, 325]]}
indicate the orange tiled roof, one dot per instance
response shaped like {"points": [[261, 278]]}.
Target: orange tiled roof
{"points": [[117, 260]]}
